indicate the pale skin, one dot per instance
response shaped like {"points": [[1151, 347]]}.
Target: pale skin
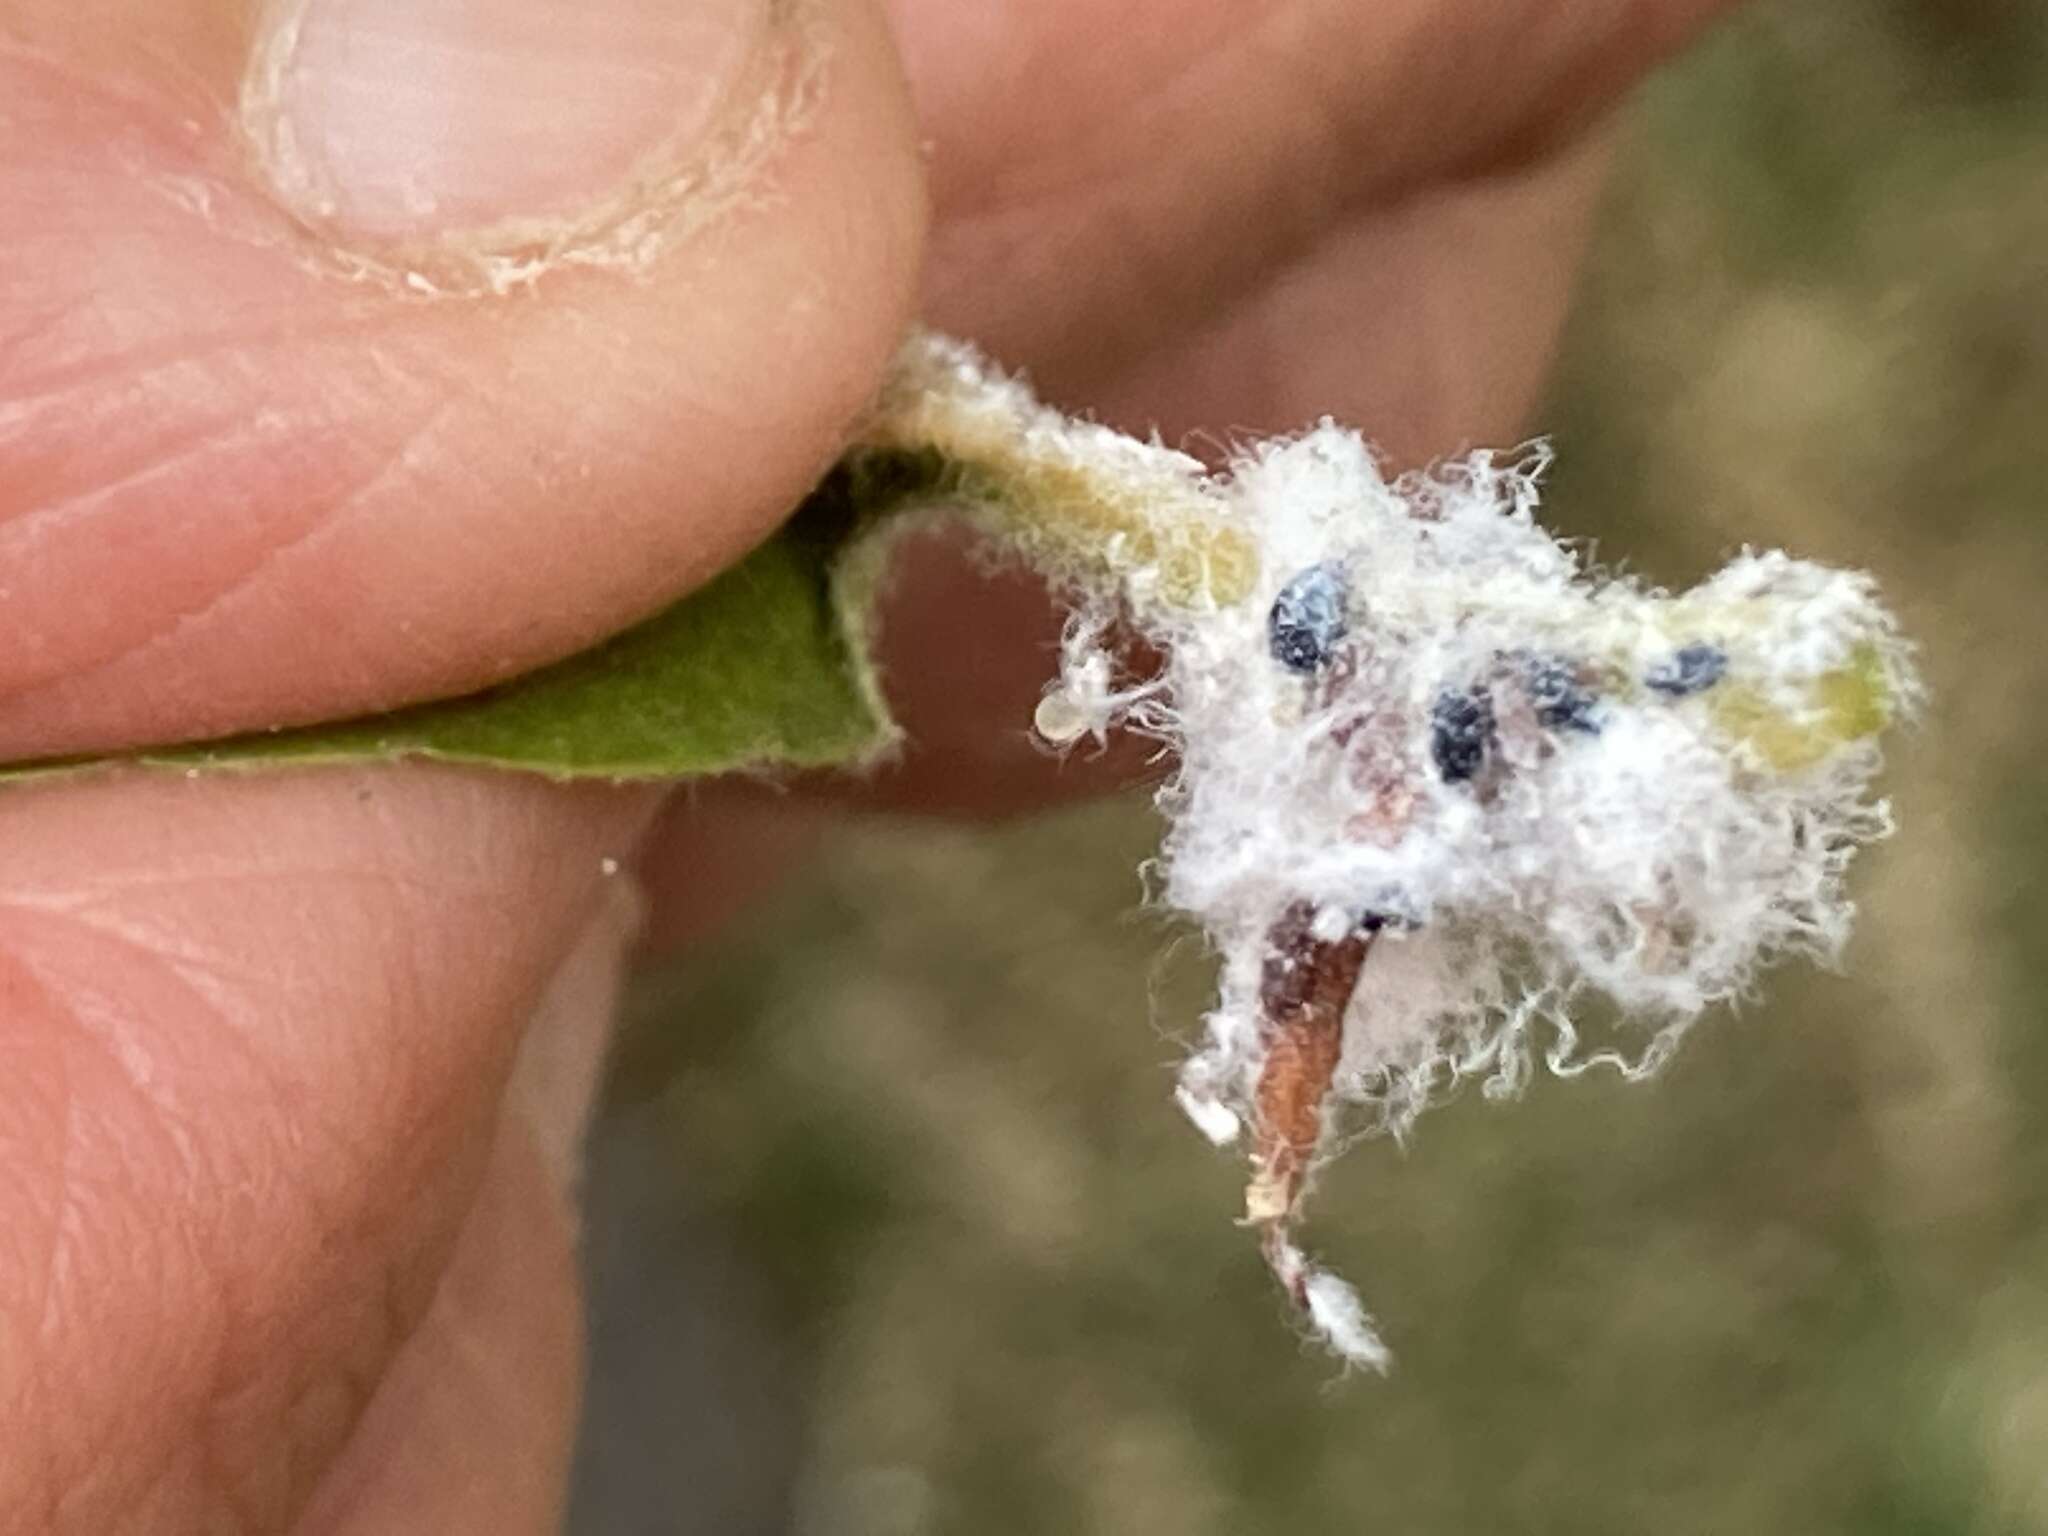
{"points": [[295, 1065]]}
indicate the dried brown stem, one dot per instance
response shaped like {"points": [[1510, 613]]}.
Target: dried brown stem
{"points": [[1304, 992]]}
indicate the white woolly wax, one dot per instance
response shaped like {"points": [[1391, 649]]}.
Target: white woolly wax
{"points": [[1401, 707]]}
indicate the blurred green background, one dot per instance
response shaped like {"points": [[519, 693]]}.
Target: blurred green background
{"points": [[896, 1229]]}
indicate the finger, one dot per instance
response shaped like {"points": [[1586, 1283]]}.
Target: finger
{"points": [[471, 1428], [1431, 324], [354, 351], [1103, 179], [257, 1034]]}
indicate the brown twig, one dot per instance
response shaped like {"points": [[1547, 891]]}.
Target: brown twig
{"points": [[1304, 992]]}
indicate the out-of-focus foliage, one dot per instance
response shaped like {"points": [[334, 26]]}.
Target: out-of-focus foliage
{"points": [[1799, 1283]]}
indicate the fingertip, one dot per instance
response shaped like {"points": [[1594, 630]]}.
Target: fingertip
{"points": [[254, 481]]}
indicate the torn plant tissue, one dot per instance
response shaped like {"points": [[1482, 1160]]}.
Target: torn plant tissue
{"points": [[1438, 780]]}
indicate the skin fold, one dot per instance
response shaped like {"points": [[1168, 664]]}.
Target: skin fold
{"points": [[296, 1063]]}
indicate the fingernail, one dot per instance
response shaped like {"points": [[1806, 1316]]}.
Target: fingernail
{"points": [[411, 118], [561, 1060]]}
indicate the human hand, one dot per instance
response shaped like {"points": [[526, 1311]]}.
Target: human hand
{"points": [[296, 1063]]}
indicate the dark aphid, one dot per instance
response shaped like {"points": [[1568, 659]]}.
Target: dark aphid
{"points": [[1562, 702], [1691, 669], [1390, 911], [1308, 618], [1460, 732]]}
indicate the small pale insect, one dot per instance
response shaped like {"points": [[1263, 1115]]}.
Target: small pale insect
{"points": [[1084, 700], [1062, 719]]}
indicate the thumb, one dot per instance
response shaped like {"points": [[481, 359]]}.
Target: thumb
{"points": [[359, 351]]}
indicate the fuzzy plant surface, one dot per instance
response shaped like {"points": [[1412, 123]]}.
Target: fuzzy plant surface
{"points": [[1439, 782]]}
